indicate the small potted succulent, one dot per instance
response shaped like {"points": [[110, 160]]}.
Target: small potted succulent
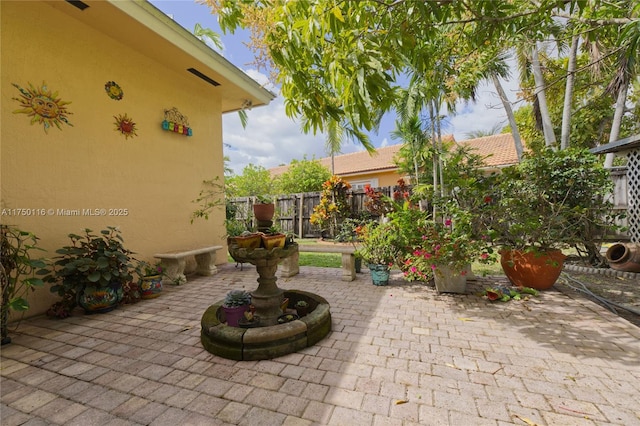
{"points": [[302, 308], [235, 304]]}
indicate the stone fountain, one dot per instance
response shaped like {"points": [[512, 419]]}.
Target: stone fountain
{"points": [[269, 339]]}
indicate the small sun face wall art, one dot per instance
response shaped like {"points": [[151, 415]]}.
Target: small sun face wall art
{"points": [[43, 106], [125, 125], [114, 91]]}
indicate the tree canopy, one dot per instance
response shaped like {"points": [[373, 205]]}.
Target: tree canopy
{"points": [[303, 176], [342, 60]]}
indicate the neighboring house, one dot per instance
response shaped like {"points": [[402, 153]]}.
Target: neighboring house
{"points": [[88, 91], [361, 168]]}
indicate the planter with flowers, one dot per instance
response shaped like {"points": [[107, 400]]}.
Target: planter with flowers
{"points": [[150, 279], [379, 250], [446, 252]]}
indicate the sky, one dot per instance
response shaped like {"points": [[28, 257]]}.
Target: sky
{"points": [[272, 139]]}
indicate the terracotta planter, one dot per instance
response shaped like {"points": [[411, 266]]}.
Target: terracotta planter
{"points": [[264, 212], [624, 257], [539, 270]]}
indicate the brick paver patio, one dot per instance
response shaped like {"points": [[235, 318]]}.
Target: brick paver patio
{"points": [[397, 355]]}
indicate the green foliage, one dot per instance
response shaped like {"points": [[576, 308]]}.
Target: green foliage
{"points": [[17, 274], [379, 244], [552, 200], [254, 181], [210, 198], [303, 176], [90, 262], [340, 61]]}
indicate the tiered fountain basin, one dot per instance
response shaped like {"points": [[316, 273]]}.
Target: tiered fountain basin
{"points": [[251, 344], [270, 339]]}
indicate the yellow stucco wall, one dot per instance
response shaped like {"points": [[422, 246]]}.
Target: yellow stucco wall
{"points": [[154, 176], [386, 178]]}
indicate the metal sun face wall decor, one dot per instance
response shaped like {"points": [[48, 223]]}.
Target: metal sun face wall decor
{"points": [[43, 106]]}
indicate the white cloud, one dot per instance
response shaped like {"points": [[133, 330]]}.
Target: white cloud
{"points": [[269, 140], [272, 139]]}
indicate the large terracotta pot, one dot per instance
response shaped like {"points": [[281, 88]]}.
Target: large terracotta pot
{"points": [[264, 212], [539, 270]]}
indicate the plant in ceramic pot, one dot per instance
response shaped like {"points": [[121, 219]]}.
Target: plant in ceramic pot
{"points": [[235, 304], [272, 238], [550, 201], [91, 271], [150, 279], [379, 249]]}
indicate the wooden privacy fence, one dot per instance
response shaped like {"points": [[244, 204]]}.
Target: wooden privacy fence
{"points": [[293, 212]]}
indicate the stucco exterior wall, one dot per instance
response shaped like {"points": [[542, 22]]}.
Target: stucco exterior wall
{"points": [[385, 178], [145, 184]]}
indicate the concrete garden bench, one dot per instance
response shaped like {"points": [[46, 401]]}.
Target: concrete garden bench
{"points": [[290, 266], [175, 262]]}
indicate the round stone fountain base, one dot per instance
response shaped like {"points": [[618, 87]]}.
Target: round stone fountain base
{"points": [[252, 344]]}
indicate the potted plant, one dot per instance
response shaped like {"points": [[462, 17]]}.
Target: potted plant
{"points": [[445, 254], [235, 304], [17, 273], [550, 201], [91, 271], [273, 238], [249, 240], [263, 209], [150, 279], [302, 308], [379, 250]]}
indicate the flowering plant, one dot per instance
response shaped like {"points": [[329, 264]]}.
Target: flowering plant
{"points": [[147, 270], [334, 204], [445, 245]]}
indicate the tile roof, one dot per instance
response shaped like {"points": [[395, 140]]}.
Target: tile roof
{"points": [[498, 149]]}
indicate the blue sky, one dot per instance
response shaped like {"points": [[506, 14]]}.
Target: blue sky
{"points": [[271, 138]]}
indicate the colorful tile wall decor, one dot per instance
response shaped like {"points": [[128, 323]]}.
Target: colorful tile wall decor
{"points": [[174, 121], [43, 106], [114, 91]]}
